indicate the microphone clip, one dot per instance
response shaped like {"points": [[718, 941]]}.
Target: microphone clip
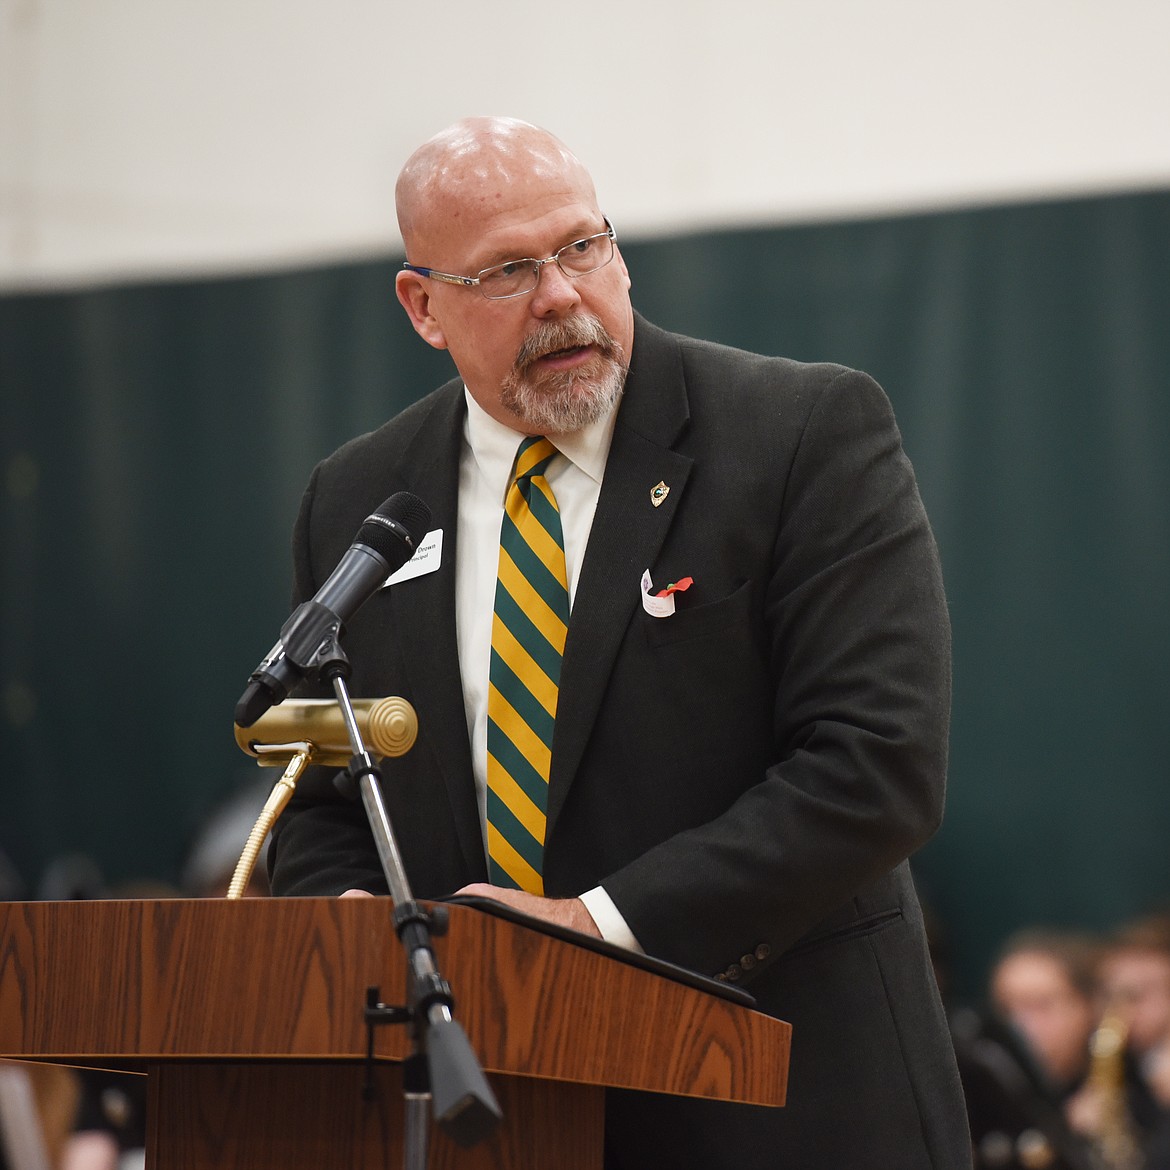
{"points": [[348, 781], [311, 640]]}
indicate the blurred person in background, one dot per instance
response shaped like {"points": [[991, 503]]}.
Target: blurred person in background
{"points": [[1135, 984], [1044, 985], [1020, 1060], [1047, 985], [1016, 1119], [1135, 989]]}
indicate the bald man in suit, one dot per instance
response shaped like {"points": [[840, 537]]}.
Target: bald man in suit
{"points": [[735, 787]]}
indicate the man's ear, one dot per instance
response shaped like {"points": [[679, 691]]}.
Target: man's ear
{"points": [[416, 300], [622, 265]]}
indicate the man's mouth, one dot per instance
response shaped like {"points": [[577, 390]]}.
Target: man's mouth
{"points": [[563, 346], [565, 356]]}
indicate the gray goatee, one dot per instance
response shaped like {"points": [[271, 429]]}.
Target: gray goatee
{"points": [[552, 402]]}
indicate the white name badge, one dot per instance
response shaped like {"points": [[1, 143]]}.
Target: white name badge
{"points": [[427, 559]]}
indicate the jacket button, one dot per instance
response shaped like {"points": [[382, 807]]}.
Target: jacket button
{"points": [[721, 977], [747, 962], [734, 972], [763, 951]]}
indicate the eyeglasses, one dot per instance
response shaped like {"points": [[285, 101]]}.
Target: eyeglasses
{"points": [[516, 278]]}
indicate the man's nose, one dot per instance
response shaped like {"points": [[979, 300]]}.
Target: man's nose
{"points": [[556, 294]]}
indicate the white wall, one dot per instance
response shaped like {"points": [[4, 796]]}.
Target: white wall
{"points": [[151, 137]]}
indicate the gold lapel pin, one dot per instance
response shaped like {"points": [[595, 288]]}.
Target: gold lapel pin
{"points": [[658, 493]]}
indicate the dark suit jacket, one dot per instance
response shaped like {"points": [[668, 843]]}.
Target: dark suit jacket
{"points": [[745, 778]]}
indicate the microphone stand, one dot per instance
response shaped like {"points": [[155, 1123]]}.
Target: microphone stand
{"points": [[442, 1070]]}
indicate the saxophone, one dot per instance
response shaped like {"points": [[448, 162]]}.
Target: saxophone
{"points": [[1115, 1143]]}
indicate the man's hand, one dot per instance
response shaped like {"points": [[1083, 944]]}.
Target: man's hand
{"points": [[569, 912]]}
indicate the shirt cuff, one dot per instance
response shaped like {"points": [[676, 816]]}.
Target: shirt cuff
{"points": [[609, 920]]}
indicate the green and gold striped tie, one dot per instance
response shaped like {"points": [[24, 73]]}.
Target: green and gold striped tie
{"points": [[528, 638]]}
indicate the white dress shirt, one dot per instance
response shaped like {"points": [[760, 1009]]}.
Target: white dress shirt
{"points": [[485, 467]]}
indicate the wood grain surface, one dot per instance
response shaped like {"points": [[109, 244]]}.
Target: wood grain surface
{"points": [[281, 1116], [277, 979]]}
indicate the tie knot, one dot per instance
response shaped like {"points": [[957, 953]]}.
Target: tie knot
{"points": [[535, 454]]}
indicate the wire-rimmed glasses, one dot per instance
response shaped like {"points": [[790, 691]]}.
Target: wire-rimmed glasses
{"points": [[516, 278]]}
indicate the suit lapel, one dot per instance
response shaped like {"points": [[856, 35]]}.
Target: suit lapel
{"points": [[424, 611], [627, 534], [624, 541]]}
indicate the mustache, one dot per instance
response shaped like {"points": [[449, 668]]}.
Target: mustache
{"points": [[571, 333]]}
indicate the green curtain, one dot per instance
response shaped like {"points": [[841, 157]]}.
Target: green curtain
{"points": [[156, 440]]}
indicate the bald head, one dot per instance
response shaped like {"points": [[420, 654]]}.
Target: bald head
{"points": [[495, 193], [472, 164]]}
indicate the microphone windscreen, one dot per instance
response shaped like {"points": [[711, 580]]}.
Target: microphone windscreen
{"points": [[401, 518]]}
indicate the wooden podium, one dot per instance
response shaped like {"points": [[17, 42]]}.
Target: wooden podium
{"points": [[247, 1018]]}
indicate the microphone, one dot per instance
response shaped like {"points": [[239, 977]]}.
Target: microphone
{"points": [[389, 726], [386, 540]]}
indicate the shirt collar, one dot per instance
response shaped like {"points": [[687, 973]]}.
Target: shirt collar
{"points": [[493, 445]]}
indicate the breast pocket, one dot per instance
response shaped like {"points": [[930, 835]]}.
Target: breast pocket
{"points": [[701, 621], [692, 706]]}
